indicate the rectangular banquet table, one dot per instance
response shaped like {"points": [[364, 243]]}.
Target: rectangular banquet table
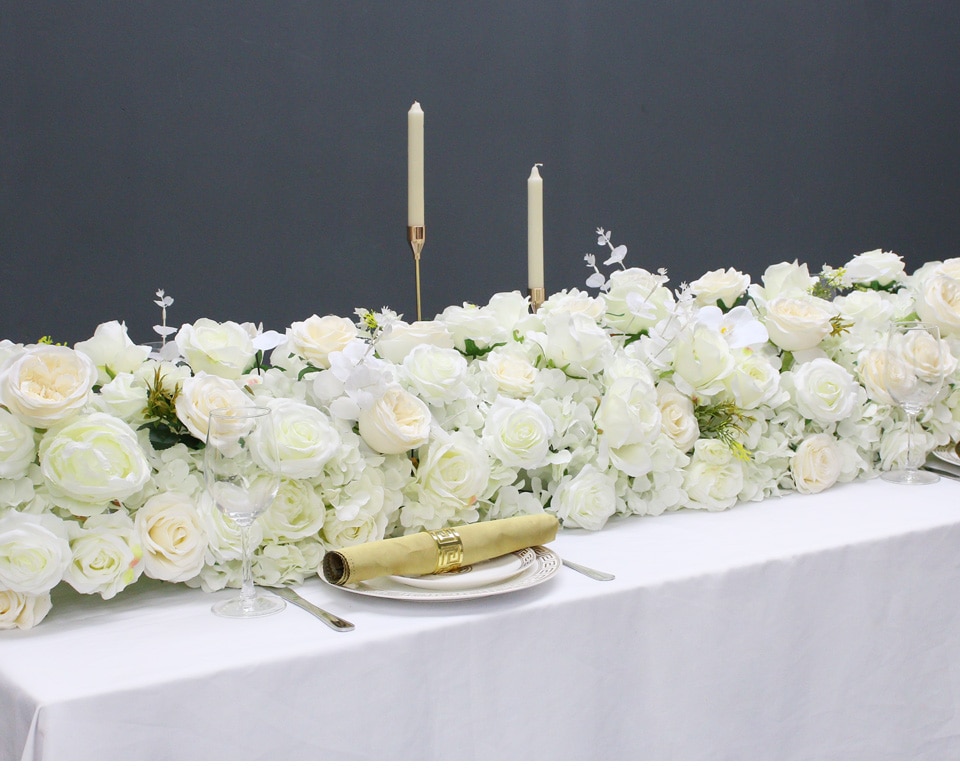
{"points": [[806, 627]]}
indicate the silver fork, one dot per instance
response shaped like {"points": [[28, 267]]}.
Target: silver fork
{"points": [[332, 621], [596, 575]]}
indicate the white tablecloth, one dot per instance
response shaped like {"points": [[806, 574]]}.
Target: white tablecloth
{"points": [[807, 627]]}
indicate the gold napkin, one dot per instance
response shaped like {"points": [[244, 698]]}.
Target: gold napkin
{"points": [[438, 551]]}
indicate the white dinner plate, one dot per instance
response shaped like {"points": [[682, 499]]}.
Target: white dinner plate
{"points": [[947, 455], [484, 573], [542, 567]]}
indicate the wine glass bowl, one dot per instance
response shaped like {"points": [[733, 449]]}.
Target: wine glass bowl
{"points": [[913, 376], [242, 475]]}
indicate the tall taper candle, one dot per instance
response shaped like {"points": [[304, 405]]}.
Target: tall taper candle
{"points": [[535, 229], [415, 166]]}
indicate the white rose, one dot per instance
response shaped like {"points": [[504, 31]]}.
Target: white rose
{"points": [[469, 322], [677, 417], [573, 301], [509, 308], [453, 471], [112, 350], [517, 433], [511, 371], [170, 530], [436, 374], [225, 350], [720, 286], [587, 500], [401, 338], [365, 527], [929, 357], [306, 438], [825, 391], [396, 422], [628, 413], [782, 280], [701, 360], [205, 392], [105, 555], [816, 465], [872, 371], [46, 383], [878, 266], [938, 302], [714, 477], [95, 459], [575, 343], [297, 512], [23, 611], [34, 551], [18, 446], [317, 337], [798, 323], [634, 460], [754, 380], [125, 396], [636, 300]]}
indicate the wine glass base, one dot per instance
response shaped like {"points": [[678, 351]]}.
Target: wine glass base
{"points": [[261, 605], [910, 476]]}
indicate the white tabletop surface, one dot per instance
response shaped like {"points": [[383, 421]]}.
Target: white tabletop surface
{"points": [[805, 627]]}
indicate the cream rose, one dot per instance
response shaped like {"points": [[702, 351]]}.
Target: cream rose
{"points": [[112, 350], [817, 463], [511, 371], [95, 459], [170, 530], [720, 286], [306, 438], [46, 383], [18, 446], [205, 392], [34, 551], [518, 433], [587, 500], [396, 422], [825, 391], [105, 555], [222, 349], [23, 611], [798, 323], [677, 417], [435, 373], [453, 471], [317, 337]]}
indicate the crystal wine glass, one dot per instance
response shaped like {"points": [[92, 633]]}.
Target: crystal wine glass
{"points": [[913, 377], [242, 475]]}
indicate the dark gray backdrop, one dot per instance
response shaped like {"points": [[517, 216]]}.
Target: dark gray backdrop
{"points": [[250, 157]]}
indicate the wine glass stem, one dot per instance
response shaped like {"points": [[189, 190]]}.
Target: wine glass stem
{"points": [[911, 425], [247, 590]]}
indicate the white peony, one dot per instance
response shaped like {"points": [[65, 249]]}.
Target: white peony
{"points": [[170, 531], [222, 349], [396, 422], [94, 459], [44, 384]]}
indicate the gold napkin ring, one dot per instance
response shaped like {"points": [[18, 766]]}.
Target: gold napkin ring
{"points": [[449, 549]]}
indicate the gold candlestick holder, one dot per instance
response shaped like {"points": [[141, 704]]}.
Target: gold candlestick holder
{"points": [[538, 296], [416, 235]]}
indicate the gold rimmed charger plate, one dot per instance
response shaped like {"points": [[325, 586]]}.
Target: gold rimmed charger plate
{"points": [[542, 567]]}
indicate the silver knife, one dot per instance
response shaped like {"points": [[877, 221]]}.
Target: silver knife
{"points": [[332, 621]]}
